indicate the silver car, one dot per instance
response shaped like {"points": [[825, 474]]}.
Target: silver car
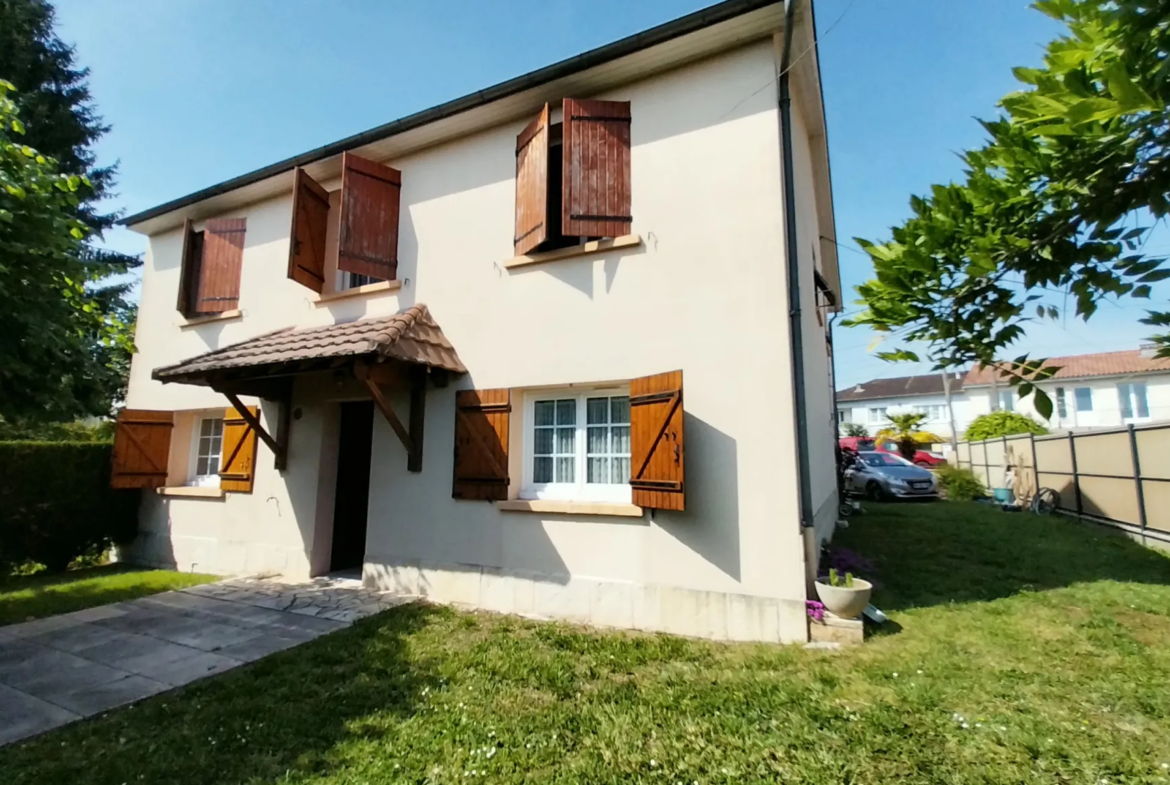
{"points": [[879, 475]]}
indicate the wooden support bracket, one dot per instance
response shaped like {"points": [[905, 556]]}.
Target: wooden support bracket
{"points": [[412, 440], [278, 449]]}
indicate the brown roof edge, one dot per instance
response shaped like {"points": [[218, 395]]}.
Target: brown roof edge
{"points": [[410, 336]]}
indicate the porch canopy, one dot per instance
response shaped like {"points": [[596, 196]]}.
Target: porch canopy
{"points": [[402, 350]]}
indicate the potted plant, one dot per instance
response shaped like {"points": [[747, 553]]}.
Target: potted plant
{"points": [[844, 595]]}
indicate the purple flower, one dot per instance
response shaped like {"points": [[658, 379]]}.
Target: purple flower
{"points": [[815, 610]]}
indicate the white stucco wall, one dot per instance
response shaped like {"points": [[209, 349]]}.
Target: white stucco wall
{"points": [[1106, 404], [704, 294], [859, 412]]}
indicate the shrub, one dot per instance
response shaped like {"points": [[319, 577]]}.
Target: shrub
{"points": [[102, 431], [856, 430], [56, 504], [997, 424], [960, 485]]}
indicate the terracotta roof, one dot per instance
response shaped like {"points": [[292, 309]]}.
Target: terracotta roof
{"points": [[931, 384], [1080, 366], [411, 335]]}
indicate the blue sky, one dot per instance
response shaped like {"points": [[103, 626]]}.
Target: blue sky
{"points": [[198, 91]]}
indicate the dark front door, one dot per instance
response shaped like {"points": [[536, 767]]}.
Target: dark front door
{"points": [[353, 486]]}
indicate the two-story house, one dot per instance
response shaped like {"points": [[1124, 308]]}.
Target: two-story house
{"points": [[554, 348]]}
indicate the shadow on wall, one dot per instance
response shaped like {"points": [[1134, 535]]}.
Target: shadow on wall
{"points": [[710, 525], [579, 273], [954, 552]]}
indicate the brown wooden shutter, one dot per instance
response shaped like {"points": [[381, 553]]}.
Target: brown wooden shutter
{"points": [[189, 265], [223, 257], [310, 220], [596, 184], [238, 454], [532, 147], [142, 448], [481, 444], [370, 197], [656, 441]]}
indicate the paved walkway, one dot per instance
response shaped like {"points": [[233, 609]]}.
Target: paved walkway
{"points": [[57, 670]]}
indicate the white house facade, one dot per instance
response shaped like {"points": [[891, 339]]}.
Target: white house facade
{"points": [[531, 351]]}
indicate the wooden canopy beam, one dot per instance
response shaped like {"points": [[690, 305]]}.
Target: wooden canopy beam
{"points": [[278, 449], [373, 378]]}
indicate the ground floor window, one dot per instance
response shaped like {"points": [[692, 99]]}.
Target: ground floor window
{"points": [[207, 447], [577, 445], [1084, 398]]}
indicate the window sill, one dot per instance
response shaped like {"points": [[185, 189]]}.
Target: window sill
{"points": [[593, 246], [226, 316], [193, 492], [357, 291], [571, 508]]}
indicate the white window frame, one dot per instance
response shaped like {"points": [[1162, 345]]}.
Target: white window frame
{"points": [[878, 415], [1076, 399], [579, 490], [205, 480], [1128, 388], [345, 281]]}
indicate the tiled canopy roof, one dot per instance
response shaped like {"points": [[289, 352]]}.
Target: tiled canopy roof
{"points": [[931, 384], [1081, 366], [411, 336]]}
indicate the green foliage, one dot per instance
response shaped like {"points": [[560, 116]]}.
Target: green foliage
{"points": [[856, 430], [905, 431], [840, 581], [56, 504], [959, 484], [57, 432], [73, 319], [1001, 423], [1049, 204]]}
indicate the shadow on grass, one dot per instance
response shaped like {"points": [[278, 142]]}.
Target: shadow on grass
{"points": [[952, 552], [281, 718], [25, 597]]}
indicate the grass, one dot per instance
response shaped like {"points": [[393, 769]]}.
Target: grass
{"points": [[1020, 650], [26, 597]]}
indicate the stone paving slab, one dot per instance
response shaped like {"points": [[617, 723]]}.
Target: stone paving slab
{"points": [[57, 670]]}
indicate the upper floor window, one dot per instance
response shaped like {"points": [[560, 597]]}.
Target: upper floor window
{"points": [[367, 235], [934, 412], [878, 415], [573, 178], [209, 276], [1132, 397], [1084, 399]]}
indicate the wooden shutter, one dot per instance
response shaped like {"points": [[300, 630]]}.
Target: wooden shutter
{"points": [[532, 184], [219, 273], [310, 219], [142, 448], [189, 268], [656, 441], [481, 444], [368, 240], [238, 454], [596, 179]]}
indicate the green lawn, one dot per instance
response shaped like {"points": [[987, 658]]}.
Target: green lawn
{"points": [[1021, 650], [28, 597]]}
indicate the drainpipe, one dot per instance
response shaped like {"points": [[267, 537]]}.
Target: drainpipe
{"points": [[795, 331]]}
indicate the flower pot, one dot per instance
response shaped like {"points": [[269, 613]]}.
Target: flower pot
{"points": [[846, 602]]}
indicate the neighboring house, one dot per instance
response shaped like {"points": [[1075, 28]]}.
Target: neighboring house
{"points": [[530, 350], [1106, 390], [869, 403]]}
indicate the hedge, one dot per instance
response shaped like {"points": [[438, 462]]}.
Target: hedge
{"points": [[56, 504]]}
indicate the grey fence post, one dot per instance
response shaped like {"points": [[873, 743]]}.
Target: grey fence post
{"points": [[1137, 477], [1035, 466], [1072, 453]]}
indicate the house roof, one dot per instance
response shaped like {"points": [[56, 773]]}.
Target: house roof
{"points": [[1081, 366], [564, 70], [931, 384], [411, 336]]}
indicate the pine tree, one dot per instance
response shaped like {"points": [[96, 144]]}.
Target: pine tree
{"points": [[61, 122]]}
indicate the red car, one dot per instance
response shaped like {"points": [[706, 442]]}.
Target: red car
{"points": [[866, 444]]}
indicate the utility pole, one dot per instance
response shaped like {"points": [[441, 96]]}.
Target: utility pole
{"points": [[950, 410]]}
